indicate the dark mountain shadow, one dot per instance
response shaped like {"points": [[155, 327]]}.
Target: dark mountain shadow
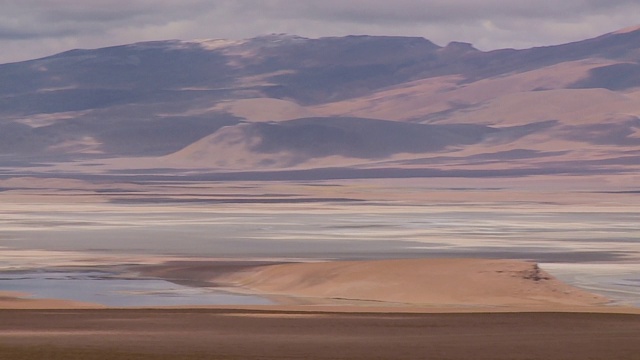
{"points": [[362, 138], [116, 136], [620, 133], [613, 77]]}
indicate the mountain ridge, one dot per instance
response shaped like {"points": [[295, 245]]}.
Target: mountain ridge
{"points": [[283, 102]]}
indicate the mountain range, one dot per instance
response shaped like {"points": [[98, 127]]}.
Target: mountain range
{"points": [[283, 106]]}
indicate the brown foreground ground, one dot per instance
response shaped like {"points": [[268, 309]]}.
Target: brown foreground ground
{"points": [[250, 334], [389, 309]]}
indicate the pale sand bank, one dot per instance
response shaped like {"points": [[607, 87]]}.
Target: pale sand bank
{"points": [[15, 300], [415, 282]]}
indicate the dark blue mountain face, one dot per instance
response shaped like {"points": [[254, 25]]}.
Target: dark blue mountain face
{"points": [[363, 138]]}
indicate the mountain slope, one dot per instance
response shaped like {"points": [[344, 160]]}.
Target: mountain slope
{"points": [[284, 102]]}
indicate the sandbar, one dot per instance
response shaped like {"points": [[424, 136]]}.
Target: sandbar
{"points": [[385, 309]]}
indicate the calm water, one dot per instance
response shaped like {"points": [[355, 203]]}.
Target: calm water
{"points": [[620, 282], [108, 289]]}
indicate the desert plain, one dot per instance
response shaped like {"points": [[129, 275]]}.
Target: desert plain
{"points": [[381, 273]]}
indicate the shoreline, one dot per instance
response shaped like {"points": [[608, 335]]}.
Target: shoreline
{"points": [[55, 329], [247, 277]]}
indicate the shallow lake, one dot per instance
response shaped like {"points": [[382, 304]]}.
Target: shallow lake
{"points": [[110, 290]]}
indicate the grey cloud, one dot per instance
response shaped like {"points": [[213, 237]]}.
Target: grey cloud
{"points": [[60, 18], [31, 28], [15, 34], [96, 14], [436, 10]]}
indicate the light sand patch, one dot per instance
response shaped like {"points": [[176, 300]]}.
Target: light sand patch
{"points": [[265, 109], [454, 99], [428, 282], [14, 300], [21, 260], [570, 106]]}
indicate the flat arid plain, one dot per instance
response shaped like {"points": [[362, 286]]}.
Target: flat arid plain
{"points": [[357, 197], [328, 270]]}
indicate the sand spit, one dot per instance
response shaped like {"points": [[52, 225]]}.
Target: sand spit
{"points": [[380, 286], [416, 282], [14, 300]]}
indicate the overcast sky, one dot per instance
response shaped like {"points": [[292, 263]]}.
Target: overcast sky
{"points": [[36, 28]]}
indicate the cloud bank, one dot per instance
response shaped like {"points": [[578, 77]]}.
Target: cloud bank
{"points": [[34, 28]]}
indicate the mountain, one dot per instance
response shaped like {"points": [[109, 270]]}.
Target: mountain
{"points": [[356, 106]]}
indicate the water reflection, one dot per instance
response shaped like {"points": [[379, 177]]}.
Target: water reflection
{"points": [[619, 282], [106, 289]]}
